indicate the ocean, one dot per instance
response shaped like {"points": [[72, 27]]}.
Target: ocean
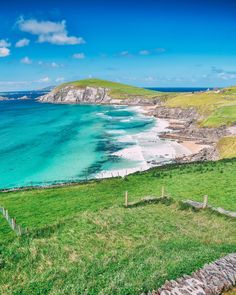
{"points": [[44, 144], [180, 89]]}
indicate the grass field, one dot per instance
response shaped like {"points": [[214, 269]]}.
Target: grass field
{"points": [[227, 147], [223, 115], [216, 109], [232, 292], [83, 241]]}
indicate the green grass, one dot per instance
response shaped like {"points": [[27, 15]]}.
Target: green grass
{"points": [[217, 179], [115, 251], [232, 292], [216, 109], [222, 116], [117, 90], [84, 241], [227, 147]]}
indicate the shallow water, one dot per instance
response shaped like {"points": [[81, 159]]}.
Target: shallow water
{"points": [[48, 143]]}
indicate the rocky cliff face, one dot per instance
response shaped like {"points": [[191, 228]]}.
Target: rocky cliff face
{"points": [[189, 115], [70, 94], [92, 95]]}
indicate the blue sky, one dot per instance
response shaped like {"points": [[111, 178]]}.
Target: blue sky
{"points": [[159, 43]]}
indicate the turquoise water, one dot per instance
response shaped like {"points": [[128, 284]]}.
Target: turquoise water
{"points": [[47, 143]]}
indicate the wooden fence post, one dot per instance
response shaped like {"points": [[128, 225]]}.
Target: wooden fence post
{"points": [[162, 192], [126, 199], [205, 201], [14, 224], [19, 230], [6, 215]]}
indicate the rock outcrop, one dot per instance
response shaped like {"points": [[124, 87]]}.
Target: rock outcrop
{"points": [[4, 98], [184, 124], [206, 154], [212, 279], [92, 95], [189, 115], [70, 94]]}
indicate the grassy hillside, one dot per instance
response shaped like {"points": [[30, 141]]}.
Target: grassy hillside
{"points": [[117, 90], [227, 147], [216, 108], [82, 238]]}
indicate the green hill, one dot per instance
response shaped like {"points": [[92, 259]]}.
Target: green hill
{"points": [[217, 108], [117, 90]]}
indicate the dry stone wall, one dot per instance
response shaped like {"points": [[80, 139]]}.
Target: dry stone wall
{"points": [[212, 279]]}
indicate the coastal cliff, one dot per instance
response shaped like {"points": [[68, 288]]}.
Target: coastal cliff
{"points": [[94, 91], [71, 94]]}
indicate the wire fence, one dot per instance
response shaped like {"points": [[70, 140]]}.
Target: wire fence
{"points": [[18, 229]]}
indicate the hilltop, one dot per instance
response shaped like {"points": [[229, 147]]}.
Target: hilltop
{"points": [[115, 90], [100, 92]]}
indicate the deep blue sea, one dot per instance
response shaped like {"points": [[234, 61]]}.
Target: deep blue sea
{"points": [[46, 143], [180, 89]]}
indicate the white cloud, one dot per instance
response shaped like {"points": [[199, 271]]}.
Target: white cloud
{"points": [[14, 83], [43, 80], [22, 43], [4, 52], [160, 49], [60, 79], [79, 55], [224, 74], [26, 60], [144, 52], [124, 53], [60, 39], [54, 65], [149, 79], [47, 31], [50, 64], [4, 43]]}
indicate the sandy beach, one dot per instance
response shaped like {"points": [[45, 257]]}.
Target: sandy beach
{"points": [[147, 149]]}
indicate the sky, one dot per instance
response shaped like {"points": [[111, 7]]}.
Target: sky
{"points": [[162, 43]]}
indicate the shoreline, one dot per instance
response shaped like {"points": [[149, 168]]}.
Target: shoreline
{"points": [[192, 145], [150, 150]]}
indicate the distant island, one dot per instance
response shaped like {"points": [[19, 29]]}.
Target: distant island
{"points": [[24, 97]]}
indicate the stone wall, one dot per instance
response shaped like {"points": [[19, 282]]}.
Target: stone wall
{"points": [[212, 279]]}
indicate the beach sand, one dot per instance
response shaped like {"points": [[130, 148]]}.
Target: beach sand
{"points": [[148, 150], [193, 146]]}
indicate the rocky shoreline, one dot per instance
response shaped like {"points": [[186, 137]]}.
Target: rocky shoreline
{"points": [[183, 127]]}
